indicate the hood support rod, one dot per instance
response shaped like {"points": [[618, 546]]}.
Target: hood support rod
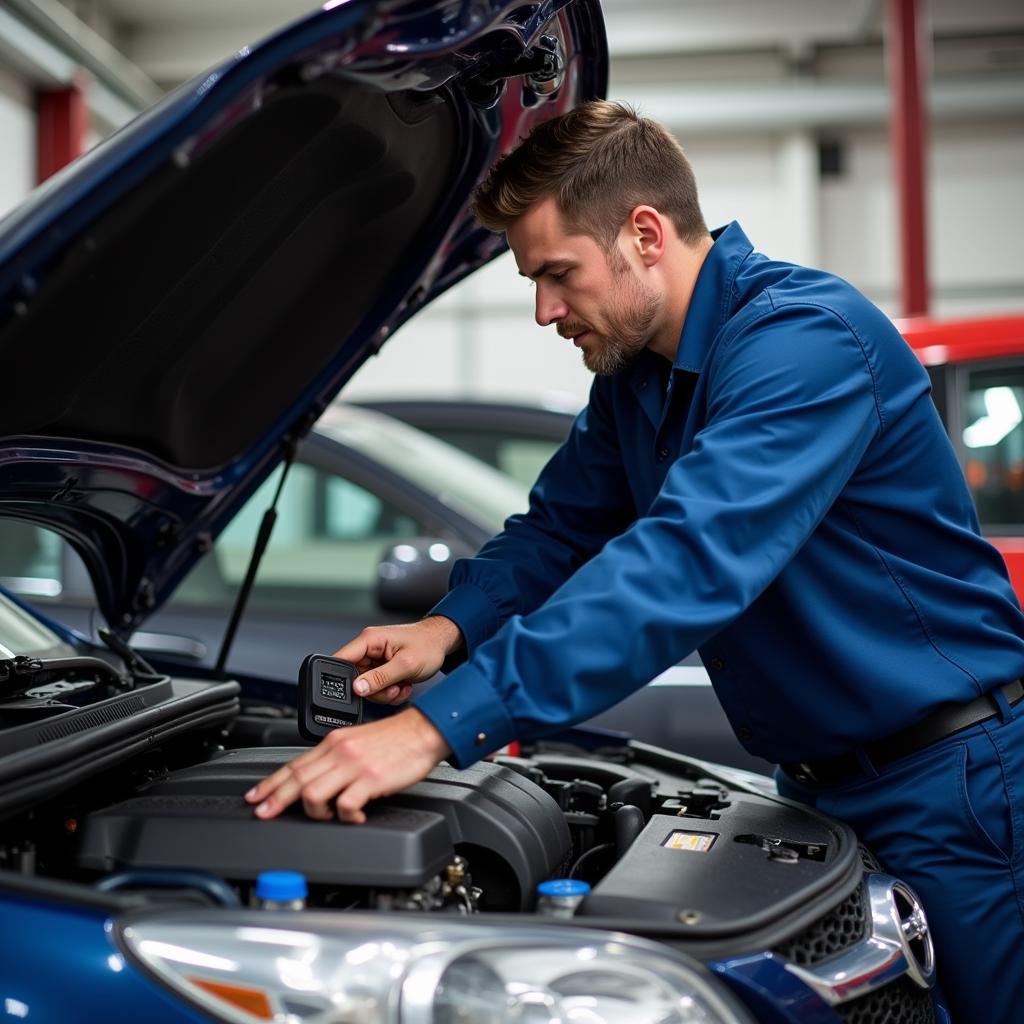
{"points": [[259, 548]]}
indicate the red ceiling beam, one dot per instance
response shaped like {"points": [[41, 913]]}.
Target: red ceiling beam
{"points": [[62, 122], [908, 133]]}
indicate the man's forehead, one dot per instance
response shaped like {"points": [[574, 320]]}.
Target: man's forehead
{"points": [[540, 238]]}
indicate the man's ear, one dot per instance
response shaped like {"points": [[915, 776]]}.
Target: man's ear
{"points": [[648, 234]]}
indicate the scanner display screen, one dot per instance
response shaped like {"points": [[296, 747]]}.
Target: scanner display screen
{"points": [[334, 687]]}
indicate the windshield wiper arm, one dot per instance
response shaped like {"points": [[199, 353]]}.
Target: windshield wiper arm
{"points": [[139, 668]]}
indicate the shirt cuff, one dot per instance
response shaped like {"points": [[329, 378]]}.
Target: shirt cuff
{"points": [[469, 714], [472, 610]]}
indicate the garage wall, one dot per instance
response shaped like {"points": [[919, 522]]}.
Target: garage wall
{"points": [[18, 132], [768, 183], [975, 211], [977, 217]]}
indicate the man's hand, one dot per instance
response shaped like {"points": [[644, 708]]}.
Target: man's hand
{"points": [[391, 658], [351, 766]]}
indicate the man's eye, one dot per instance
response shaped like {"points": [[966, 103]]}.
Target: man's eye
{"points": [[559, 276]]}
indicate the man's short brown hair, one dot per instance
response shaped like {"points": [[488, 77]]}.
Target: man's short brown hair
{"points": [[600, 161]]}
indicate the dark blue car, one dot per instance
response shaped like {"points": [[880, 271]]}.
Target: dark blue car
{"points": [[176, 311]]}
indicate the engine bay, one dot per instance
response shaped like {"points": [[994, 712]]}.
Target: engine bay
{"points": [[142, 799]]}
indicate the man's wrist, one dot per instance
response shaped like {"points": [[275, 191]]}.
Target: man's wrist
{"points": [[427, 734], [448, 632]]}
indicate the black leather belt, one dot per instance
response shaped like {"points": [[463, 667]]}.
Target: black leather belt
{"points": [[948, 719]]}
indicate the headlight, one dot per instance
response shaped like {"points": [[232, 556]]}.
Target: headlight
{"points": [[376, 969]]}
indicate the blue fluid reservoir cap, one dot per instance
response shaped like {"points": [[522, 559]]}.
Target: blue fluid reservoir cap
{"points": [[281, 886], [563, 887]]}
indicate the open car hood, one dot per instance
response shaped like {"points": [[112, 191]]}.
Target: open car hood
{"points": [[179, 306]]}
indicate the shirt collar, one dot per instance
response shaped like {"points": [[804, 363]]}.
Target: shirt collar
{"points": [[714, 297]]}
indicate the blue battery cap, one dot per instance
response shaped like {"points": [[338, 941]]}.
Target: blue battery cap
{"points": [[281, 886], [563, 887]]}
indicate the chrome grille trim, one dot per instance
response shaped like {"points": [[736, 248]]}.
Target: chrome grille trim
{"points": [[898, 944]]}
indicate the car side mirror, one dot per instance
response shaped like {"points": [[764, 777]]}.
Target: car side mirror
{"points": [[413, 574]]}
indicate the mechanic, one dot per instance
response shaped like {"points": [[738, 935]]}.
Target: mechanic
{"points": [[760, 474]]}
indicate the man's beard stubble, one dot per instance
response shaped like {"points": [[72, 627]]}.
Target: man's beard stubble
{"points": [[627, 321]]}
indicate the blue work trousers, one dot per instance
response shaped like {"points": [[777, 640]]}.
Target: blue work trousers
{"points": [[949, 821]]}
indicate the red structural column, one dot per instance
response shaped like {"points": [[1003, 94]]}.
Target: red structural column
{"points": [[62, 120], [908, 139]]}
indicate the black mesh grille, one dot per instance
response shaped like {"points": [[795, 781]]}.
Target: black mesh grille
{"points": [[899, 1003], [90, 720], [843, 926]]}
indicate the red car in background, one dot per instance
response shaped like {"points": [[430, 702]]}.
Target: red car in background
{"points": [[977, 371]]}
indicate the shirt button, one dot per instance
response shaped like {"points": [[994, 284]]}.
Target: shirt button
{"points": [[481, 738], [717, 664], [744, 732], [643, 385], [663, 453]]}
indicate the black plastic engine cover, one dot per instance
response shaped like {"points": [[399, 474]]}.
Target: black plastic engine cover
{"points": [[197, 818], [746, 866]]}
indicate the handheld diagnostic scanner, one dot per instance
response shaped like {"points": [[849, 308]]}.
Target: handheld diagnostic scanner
{"points": [[326, 698]]}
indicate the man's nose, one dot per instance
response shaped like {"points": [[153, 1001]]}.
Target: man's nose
{"points": [[550, 308]]}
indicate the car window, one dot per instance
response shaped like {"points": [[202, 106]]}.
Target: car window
{"points": [[21, 634], [476, 490], [993, 443], [39, 565], [30, 559], [521, 458], [323, 554]]}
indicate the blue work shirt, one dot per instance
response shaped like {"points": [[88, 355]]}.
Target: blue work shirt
{"points": [[783, 498]]}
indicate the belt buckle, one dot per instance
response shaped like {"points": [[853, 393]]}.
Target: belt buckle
{"points": [[805, 773]]}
